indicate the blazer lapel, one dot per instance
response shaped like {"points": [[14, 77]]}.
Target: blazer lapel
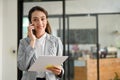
{"points": [[49, 46]]}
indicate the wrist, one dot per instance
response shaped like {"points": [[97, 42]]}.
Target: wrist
{"points": [[60, 75], [32, 43]]}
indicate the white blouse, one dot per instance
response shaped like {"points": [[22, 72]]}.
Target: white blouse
{"points": [[39, 49]]}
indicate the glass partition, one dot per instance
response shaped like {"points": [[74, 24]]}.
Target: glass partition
{"points": [[82, 46], [109, 51], [92, 41]]}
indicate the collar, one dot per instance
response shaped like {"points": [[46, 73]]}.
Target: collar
{"points": [[41, 39]]}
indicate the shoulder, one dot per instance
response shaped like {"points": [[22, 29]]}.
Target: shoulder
{"points": [[25, 40], [53, 38]]}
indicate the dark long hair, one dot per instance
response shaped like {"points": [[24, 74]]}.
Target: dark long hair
{"points": [[38, 8]]}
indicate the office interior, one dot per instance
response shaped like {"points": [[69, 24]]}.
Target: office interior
{"points": [[89, 30]]}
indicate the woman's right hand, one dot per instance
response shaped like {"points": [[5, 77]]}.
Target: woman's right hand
{"points": [[31, 35]]}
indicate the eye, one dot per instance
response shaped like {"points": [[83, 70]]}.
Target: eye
{"points": [[35, 19], [42, 19]]}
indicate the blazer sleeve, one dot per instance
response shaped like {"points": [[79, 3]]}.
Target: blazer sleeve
{"points": [[59, 48], [60, 53], [25, 55]]}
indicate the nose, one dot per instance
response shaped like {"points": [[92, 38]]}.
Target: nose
{"points": [[39, 22]]}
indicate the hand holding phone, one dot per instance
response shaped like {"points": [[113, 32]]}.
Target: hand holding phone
{"points": [[31, 32], [32, 27]]}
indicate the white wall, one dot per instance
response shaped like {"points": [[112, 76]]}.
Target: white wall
{"points": [[9, 39], [1, 33]]}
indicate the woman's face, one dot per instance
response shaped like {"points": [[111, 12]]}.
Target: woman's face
{"points": [[39, 20]]}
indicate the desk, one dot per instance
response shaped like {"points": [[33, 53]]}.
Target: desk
{"points": [[108, 67]]}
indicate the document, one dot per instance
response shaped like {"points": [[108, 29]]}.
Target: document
{"points": [[46, 61]]}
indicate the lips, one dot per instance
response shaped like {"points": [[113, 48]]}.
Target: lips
{"points": [[39, 27]]}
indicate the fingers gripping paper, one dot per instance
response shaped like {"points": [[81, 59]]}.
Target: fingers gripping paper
{"points": [[44, 61]]}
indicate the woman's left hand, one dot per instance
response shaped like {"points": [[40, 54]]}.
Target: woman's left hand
{"points": [[55, 69]]}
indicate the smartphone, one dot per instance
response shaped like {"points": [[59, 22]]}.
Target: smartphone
{"points": [[33, 31]]}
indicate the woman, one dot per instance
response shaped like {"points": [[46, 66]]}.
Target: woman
{"points": [[39, 42]]}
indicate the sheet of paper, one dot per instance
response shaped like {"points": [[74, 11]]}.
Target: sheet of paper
{"points": [[45, 61]]}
